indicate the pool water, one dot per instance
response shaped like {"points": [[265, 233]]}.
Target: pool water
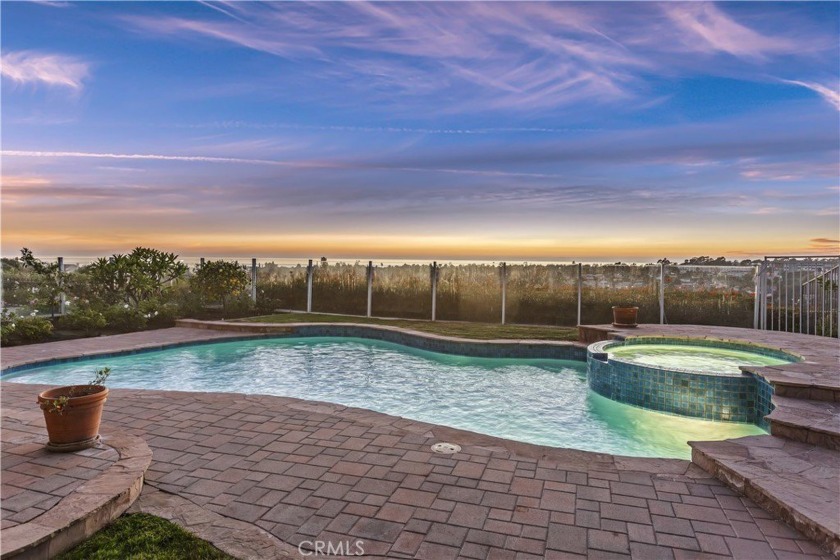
{"points": [[699, 359], [545, 402]]}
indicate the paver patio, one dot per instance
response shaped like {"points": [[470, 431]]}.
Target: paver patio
{"points": [[306, 471]]}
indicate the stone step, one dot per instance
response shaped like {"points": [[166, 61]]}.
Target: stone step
{"points": [[814, 422], [795, 481], [803, 380]]}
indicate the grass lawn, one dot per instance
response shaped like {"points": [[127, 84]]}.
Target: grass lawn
{"points": [[478, 331], [141, 536]]}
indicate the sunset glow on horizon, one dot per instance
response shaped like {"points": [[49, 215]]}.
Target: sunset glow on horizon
{"points": [[486, 131]]}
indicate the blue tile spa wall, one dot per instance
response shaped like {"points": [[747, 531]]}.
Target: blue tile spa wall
{"points": [[712, 397], [763, 402], [736, 398]]}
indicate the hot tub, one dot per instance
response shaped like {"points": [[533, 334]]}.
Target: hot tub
{"points": [[700, 378]]}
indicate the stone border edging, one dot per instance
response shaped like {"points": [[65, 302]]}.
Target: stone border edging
{"points": [[90, 507], [231, 536], [154, 347], [492, 348]]}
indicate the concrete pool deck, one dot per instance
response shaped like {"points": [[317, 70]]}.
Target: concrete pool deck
{"points": [[297, 471]]}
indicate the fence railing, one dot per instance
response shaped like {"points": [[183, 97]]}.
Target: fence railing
{"points": [[799, 294], [514, 293], [796, 294]]}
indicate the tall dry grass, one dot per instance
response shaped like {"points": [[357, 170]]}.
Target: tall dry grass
{"points": [[536, 294]]}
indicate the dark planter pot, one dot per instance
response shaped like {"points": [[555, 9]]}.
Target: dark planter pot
{"points": [[625, 316], [77, 425]]}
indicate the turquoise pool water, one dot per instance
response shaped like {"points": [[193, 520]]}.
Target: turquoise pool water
{"points": [[700, 359], [546, 402]]}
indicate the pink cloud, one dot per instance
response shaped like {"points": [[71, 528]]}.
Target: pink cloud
{"points": [[26, 67]]}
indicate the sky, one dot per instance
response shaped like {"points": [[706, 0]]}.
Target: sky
{"points": [[492, 131]]}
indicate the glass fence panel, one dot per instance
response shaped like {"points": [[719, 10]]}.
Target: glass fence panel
{"points": [[542, 294], [339, 288], [469, 292], [25, 292], [402, 291], [710, 295], [623, 285], [281, 287]]}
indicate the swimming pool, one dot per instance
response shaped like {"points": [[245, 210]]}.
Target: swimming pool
{"points": [[546, 402]]}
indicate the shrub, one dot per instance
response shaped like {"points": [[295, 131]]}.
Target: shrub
{"points": [[83, 319], [220, 281], [24, 330], [140, 275], [157, 314], [188, 303], [124, 318], [240, 306]]}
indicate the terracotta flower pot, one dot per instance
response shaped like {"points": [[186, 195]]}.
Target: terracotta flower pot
{"points": [[624, 316], [76, 426]]}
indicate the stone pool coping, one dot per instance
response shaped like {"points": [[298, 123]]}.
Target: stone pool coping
{"points": [[492, 348]]}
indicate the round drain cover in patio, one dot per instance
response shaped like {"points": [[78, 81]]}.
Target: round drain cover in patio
{"points": [[446, 448]]}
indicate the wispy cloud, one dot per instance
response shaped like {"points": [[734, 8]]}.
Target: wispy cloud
{"points": [[786, 170], [485, 56], [832, 96], [51, 4], [26, 67], [767, 211], [233, 125], [529, 56], [22, 181], [302, 164], [703, 27], [153, 157], [824, 244]]}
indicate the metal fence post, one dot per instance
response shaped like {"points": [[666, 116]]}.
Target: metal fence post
{"points": [[434, 279], [369, 288], [763, 285], [579, 293], [756, 311], [254, 280], [503, 280], [662, 293], [62, 298], [309, 271]]}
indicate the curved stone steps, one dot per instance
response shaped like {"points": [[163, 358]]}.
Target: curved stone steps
{"points": [[795, 481], [814, 422]]}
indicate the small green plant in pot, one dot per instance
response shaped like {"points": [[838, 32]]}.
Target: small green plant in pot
{"points": [[73, 413]]}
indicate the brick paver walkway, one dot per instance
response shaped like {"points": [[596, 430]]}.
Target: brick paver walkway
{"points": [[308, 471]]}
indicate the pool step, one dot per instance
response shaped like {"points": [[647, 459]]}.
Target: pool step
{"points": [[814, 422], [804, 380], [794, 481]]}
